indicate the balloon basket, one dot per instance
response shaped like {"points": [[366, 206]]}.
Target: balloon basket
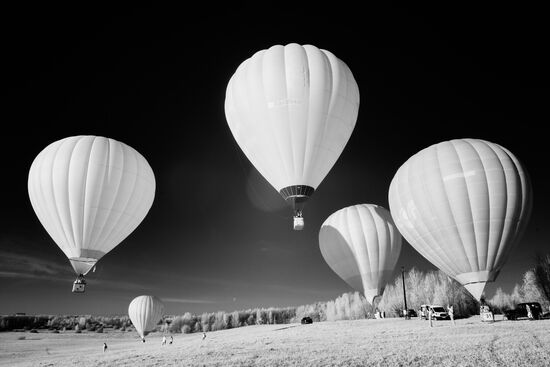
{"points": [[79, 286], [298, 223]]}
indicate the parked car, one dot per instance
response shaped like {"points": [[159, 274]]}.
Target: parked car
{"points": [[438, 312], [410, 313], [307, 320], [520, 311]]}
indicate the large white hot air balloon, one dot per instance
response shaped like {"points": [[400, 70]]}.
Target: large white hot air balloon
{"points": [[145, 312], [292, 110], [90, 193], [462, 204], [361, 244]]}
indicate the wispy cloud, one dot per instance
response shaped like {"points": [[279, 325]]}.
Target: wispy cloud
{"points": [[24, 258], [119, 284], [31, 267], [22, 275], [186, 300]]}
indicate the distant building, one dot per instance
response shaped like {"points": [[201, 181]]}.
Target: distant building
{"points": [[20, 314]]}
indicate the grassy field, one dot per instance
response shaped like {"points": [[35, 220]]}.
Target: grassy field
{"points": [[385, 342]]}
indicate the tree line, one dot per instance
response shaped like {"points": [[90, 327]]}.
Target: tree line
{"points": [[430, 287], [78, 323]]}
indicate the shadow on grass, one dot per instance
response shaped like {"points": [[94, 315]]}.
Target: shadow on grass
{"points": [[286, 327]]}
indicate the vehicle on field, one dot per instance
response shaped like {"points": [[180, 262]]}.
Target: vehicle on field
{"points": [[530, 310], [438, 312], [408, 313]]}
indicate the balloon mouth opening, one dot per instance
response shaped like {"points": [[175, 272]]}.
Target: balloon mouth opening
{"points": [[475, 282], [373, 295], [82, 265], [297, 196], [87, 260], [476, 289]]}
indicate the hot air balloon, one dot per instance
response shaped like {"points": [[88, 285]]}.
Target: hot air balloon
{"points": [[89, 193], [292, 110], [361, 244], [145, 312], [462, 204]]}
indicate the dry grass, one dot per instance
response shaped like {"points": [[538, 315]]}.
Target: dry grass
{"points": [[386, 342]]}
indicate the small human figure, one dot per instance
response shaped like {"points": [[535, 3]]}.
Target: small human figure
{"points": [[529, 312], [537, 313], [424, 312], [430, 312], [143, 340], [163, 340], [203, 335], [104, 347], [171, 339], [450, 310]]}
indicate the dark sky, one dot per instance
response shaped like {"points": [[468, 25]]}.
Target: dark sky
{"points": [[218, 236]]}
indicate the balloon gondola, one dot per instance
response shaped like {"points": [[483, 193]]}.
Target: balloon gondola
{"points": [[79, 285]]}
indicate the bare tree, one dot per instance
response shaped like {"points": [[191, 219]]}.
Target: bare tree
{"points": [[542, 274], [501, 301]]}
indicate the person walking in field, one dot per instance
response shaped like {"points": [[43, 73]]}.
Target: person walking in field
{"points": [[450, 310], [203, 335], [430, 313], [104, 347], [529, 313], [171, 339], [164, 340]]}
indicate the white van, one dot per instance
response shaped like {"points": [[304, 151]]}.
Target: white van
{"points": [[438, 312]]}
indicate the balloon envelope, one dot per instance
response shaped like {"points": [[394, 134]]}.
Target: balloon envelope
{"points": [[90, 193], [292, 110], [462, 204], [145, 312], [361, 244]]}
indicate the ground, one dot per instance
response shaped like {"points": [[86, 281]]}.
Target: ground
{"points": [[383, 342]]}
